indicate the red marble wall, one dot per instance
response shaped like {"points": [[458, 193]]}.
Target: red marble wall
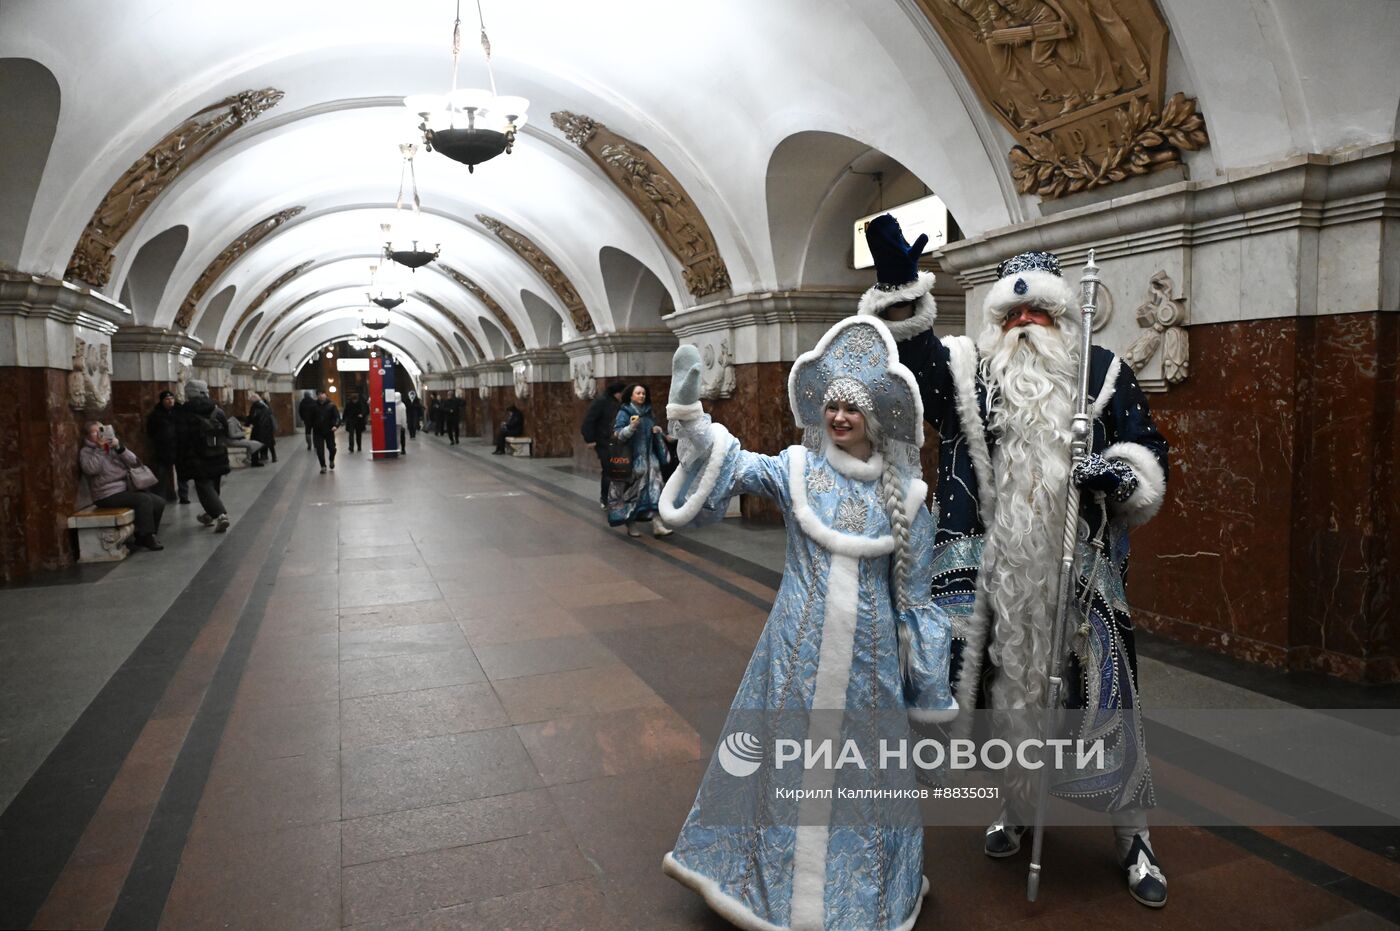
{"points": [[39, 440], [131, 402], [552, 418], [758, 415], [1274, 544], [239, 408], [282, 403]]}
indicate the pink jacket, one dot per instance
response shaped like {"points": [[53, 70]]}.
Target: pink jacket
{"points": [[105, 471]]}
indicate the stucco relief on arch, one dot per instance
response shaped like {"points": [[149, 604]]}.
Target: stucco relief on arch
{"points": [[1078, 82], [225, 259], [262, 297], [547, 268], [152, 173], [658, 195], [491, 303]]}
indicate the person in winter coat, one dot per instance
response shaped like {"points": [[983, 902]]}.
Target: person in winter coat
{"points": [[597, 429], [107, 464], [451, 413], [415, 414], [356, 416], [201, 431], [635, 429], [160, 431], [264, 426], [306, 410], [401, 422], [513, 425], [324, 419]]}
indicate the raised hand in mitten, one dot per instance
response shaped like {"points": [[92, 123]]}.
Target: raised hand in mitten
{"points": [[685, 376], [1113, 477], [896, 262]]}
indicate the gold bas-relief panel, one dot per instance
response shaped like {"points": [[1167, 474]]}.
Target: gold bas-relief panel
{"points": [[455, 320], [1078, 82], [657, 194], [232, 252], [152, 173], [546, 267], [497, 311], [261, 299]]}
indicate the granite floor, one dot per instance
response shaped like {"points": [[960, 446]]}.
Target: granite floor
{"points": [[440, 693]]}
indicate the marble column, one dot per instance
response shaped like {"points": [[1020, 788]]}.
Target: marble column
{"points": [[216, 367], [544, 393], [55, 374], [597, 359], [495, 391], [281, 394], [242, 378]]}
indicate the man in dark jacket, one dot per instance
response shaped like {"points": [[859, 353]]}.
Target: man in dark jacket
{"points": [[160, 430], [306, 411], [201, 428], [597, 429], [415, 414], [264, 427], [451, 412], [356, 417], [513, 425], [325, 417]]}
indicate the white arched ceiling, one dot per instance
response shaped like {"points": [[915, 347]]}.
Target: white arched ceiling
{"points": [[27, 122], [416, 316], [240, 348], [1273, 78], [542, 320], [150, 271], [401, 356], [342, 324], [207, 329], [637, 297]]}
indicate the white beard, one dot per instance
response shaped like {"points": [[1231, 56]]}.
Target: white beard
{"points": [[1030, 375]]}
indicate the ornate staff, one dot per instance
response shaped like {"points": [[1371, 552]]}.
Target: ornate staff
{"points": [[1079, 450]]}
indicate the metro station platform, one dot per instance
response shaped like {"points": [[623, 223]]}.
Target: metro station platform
{"points": [[440, 692]]}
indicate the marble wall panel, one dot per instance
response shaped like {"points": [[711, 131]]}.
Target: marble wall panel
{"points": [[131, 402], [283, 403], [39, 439]]}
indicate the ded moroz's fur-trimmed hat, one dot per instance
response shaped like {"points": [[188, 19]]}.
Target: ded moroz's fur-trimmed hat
{"points": [[1029, 278]]}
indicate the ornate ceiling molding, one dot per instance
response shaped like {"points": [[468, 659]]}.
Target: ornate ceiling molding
{"points": [[455, 320], [152, 173], [657, 194], [262, 297], [546, 267], [232, 253], [271, 330], [1079, 83], [491, 304]]}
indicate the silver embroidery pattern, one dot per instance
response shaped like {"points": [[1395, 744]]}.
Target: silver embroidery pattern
{"points": [[819, 481], [851, 515]]}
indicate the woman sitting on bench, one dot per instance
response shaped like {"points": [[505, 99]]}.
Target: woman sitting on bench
{"points": [[107, 465]]}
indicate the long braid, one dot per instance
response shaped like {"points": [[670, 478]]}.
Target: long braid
{"points": [[892, 494]]}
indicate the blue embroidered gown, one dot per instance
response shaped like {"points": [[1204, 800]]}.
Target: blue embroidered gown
{"points": [[760, 859], [635, 499]]}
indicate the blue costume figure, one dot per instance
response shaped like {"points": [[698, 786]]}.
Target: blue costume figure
{"points": [[635, 429], [853, 638], [1003, 404]]}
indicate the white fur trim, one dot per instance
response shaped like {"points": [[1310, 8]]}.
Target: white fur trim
{"points": [[834, 541], [684, 411], [896, 369], [737, 913], [920, 290], [679, 517], [1110, 385], [932, 716], [1043, 289], [1146, 500], [962, 361], [864, 470]]}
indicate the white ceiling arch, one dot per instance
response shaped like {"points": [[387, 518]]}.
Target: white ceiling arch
{"points": [[280, 353], [400, 354]]}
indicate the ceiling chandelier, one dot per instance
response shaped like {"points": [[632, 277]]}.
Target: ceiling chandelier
{"points": [[410, 256], [375, 319], [367, 336], [388, 298], [491, 121]]}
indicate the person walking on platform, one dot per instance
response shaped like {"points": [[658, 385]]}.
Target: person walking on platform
{"points": [[401, 422], [160, 431], [435, 423], [263, 424], [325, 420], [306, 410], [201, 434], [356, 419], [635, 431], [597, 430], [451, 413], [415, 414]]}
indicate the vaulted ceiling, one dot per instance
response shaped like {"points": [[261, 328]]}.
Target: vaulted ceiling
{"points": [[768, 114]]}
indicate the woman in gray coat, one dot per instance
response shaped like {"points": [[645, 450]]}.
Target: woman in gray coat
{"points": [[107, 465]]}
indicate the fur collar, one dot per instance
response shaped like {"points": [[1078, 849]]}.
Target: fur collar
{"points": [[920, 291], [862, 470], [830, 539]]}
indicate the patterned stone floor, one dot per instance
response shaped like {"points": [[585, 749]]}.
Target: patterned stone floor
{"points": [[440, 693]]}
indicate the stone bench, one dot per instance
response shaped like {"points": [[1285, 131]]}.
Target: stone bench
{"points": [[103, 533], [520, 446], [238, 457]]}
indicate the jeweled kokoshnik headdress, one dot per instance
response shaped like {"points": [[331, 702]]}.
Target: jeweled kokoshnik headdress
{"points": [[858, 362]]}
